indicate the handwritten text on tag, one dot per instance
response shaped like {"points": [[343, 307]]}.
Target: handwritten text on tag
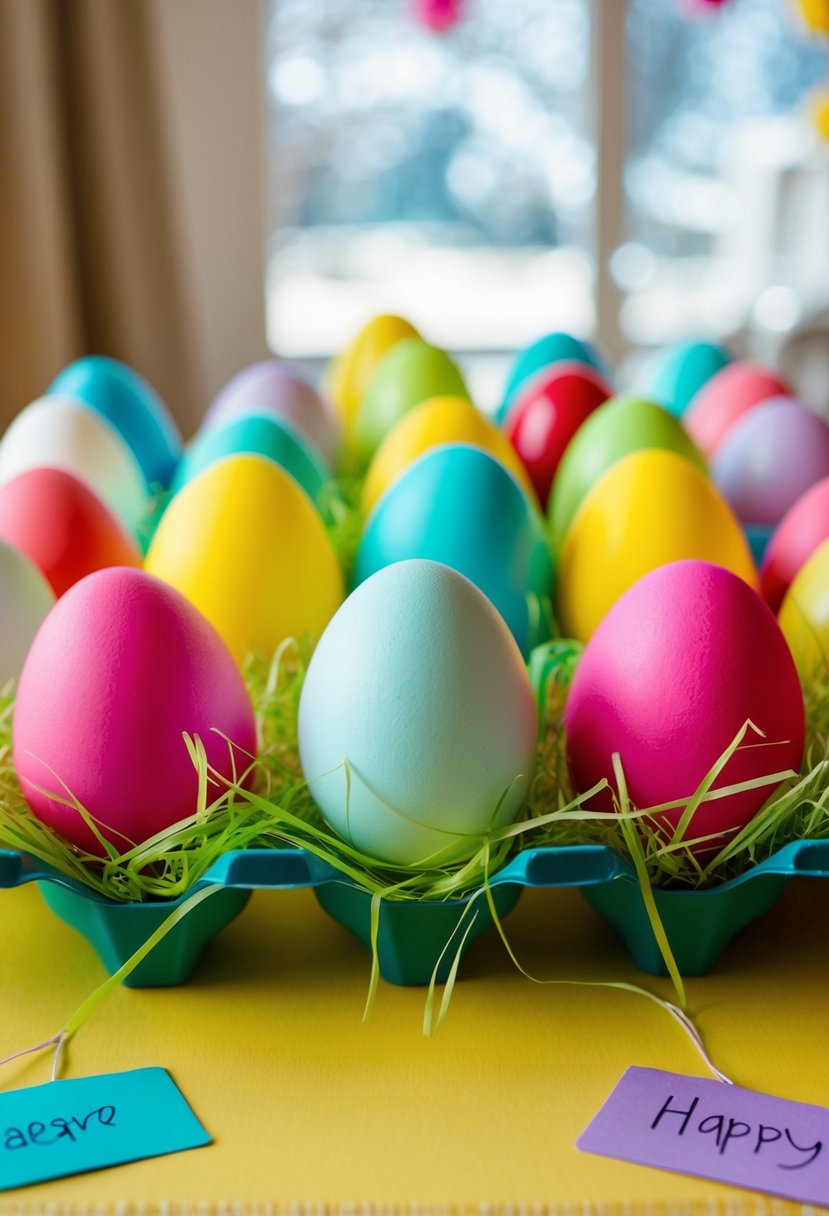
{"points": [[711, 1130]]}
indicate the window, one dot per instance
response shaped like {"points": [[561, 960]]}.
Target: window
{"points": [[452, 176], [445, 176]]}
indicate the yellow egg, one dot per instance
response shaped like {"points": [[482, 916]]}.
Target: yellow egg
{"points": [[351, 371], [815, 13], [804, 614], [820, 111], [650, 508], [430, 424], [244, 544]]}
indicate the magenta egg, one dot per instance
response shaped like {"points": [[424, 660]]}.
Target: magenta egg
{"points": [[725, 398], [121, 667], [801, 531], [276, 389], [679, 664], [769, 458]]}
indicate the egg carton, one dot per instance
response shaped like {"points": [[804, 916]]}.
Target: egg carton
{"points": [[418, 939]]}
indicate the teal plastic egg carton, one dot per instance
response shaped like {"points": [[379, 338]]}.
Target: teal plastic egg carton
{"points": [[418, 939]]}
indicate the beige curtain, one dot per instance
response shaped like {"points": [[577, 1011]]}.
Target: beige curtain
{"points": [[131, 192]]}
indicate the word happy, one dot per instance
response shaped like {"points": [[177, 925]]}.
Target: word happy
{"points": [[725, 1134]]}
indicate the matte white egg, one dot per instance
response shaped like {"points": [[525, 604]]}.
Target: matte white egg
{"points": [[63, 433], [25, 600]]}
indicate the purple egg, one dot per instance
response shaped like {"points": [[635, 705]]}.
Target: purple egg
{"points": [[769, 458], [274, 388]]}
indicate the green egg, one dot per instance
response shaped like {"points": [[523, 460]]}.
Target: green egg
{"points": [[411, 372], [622, 425]]}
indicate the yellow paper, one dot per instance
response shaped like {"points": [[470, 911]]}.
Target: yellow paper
{"points": [[307, 1105]]}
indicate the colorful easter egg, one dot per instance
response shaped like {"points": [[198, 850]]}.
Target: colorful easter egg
{"points": [[804, 615], [668, 680], [120, 669], [546, 414], [352, 371], [62, 433], [771, 456], [725, 398], [245, 544], [417, 722], [434, 422], [651, 508], [458, 505], [542, 354], [678, 373], [411, 372], [257, 434], [25, 599], [622, 425], [132, 406], [815, 13], [274, 388], [63, 526], [802, 530]]}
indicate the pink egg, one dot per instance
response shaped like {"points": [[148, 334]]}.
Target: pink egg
{"points": [[119, 669], [276, 389], [801, 531], [675, 669], [724, 399], [769, 458]]}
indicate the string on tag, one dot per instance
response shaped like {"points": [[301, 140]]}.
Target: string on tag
{"points": [[88, 1007]]}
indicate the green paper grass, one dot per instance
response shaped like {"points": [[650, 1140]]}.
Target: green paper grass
{"points": [[797, 810]]}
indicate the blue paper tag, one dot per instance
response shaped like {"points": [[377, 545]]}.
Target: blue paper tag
{"points": [[71, 1127]]}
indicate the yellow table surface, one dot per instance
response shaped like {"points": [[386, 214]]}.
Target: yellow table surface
{"points": [[311, 1109]]}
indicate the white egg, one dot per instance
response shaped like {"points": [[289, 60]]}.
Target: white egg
{"points": [[417, 723], [63, 433], [25, 600]]}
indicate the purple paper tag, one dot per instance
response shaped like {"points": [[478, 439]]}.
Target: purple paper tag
{"points": [[716, 1131]]}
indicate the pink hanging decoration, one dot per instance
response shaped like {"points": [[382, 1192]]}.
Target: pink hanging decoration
{"points": [[438, 15]]}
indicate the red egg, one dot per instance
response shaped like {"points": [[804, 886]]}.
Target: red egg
{"points": [[727, 396], [547, 414], [119, 670], [679, 664], [801, 531], [63, 526]]}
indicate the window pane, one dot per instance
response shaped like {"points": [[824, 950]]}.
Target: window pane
{"points": [[722, 169], [446, 176]]}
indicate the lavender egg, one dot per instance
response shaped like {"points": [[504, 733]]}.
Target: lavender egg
{"points": [[769, 458], [275, 389]]}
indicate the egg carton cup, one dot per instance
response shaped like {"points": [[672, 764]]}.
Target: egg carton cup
{"points": [[417, 940], [758, 537]]}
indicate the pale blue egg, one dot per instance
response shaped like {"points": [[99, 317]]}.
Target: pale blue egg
{"points": [[459, 505], [417, 721]]}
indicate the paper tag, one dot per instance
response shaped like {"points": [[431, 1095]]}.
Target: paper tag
{"points": [[71, 1127], [715, 1131]]}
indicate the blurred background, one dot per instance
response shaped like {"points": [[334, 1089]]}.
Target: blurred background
{"points": [[187, 183]]}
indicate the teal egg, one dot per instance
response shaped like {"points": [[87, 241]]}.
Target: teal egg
{"points": [[679, 372], [459, 506], [259, 435], [552, 348], [129, 404]]}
